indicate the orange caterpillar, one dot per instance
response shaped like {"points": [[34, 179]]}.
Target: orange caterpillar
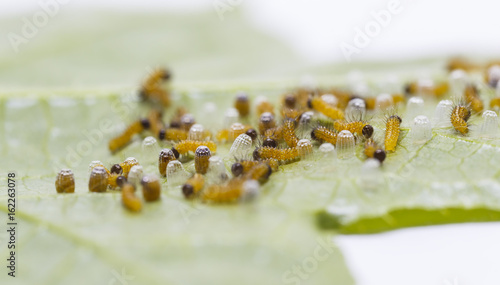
{"points": [[229, 135], [265, 107], [129, 199], [124, 139], [459, 117], [244, 166], [127, 165], [471, 97], [172, 134], [355, 127], [321, 106], [155, 122], [186, 146], [259, 172], [152, 90], [193, 186], [285, 154], [324, 134], [495, 103], [392, 132], [288, 132], [372, 150], [229, 192], [437, 90]]}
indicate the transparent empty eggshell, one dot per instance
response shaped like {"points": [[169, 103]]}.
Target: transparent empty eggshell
{"points": [[442, 114], [489, 128], [135, 175], [345, 144], [241, 147], [176, 174], [196, 132], [421, 130]]}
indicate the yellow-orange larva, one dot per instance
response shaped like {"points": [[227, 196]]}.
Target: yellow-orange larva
{"points": [[324, 108], [259, 172], [495, 103], [471, 96], [166, 156], [285, 154], [355, 127], [372, 150], [123, 139], [324, 134], [459, 117], [172, 134], [193, 185], [98, 181], [265, 107], [434, 89], [266, 122], [155, 122], [127, 165], [392, 132], [152, 90], [242, 104], [243, 166], [150, 188], [65, 181], [201, 159], [129, 199], [186, 146], [289, 133], [229, 192]]}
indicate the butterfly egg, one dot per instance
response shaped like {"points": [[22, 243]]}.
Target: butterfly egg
{"points": [[459, 117], [216, 172], [306, 118], [135, 175], [392, 132], [421, 130], [493, 75], [356, 108], [175, 173], [288, 132], [250, 191], [193, 186], [93, 164], [150, 148], [201, 157], [241, 147], [129, 200], [231, 116], [235, 130], [187, 121], [128, 164], [242, 104], [345, 144], [383, 101], [151, 188], [324, 134], [327, 150], [290, 101], [196, 132], [98, 181], [305, 147], [166, 155], [262, 106], [324, 108], [330, 99], [442, 114], [266, 122], [65, 181], [489, 128], [414, 107], [457, 81]]}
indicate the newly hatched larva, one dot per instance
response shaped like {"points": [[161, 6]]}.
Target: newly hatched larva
{"points": [[460, 114], [264, 107], [193, 185], [233, 132], [471, 96], [152, 90], [114, 173], [127, 165], [229, 192], [323, 134], [355, 127], [259, 172], [372, 150], [392, 132], [186, 146], [98, 181], [155, 122], [150, 188], [187, 121], [324, 108], [285, 154], [426, 87], [201, 157], [266, 122], [288, 132], [242, 104], [124, 139], [166, 156], [275, 133], [289, 101], [129, 199], [495, 103], [243, 166], [172, 134], [65, 181]]}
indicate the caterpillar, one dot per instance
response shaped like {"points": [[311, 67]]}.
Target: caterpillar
{"points": [[460, 114], [129, 200], [123, 139], [229, 192], [471, 96], [193, 185], [355, 127], [243, 166], [242, 104], [321, 106], [288, 132], [324, 134], [186, 146], [372, 150], [152, 90], [392, 132]]}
